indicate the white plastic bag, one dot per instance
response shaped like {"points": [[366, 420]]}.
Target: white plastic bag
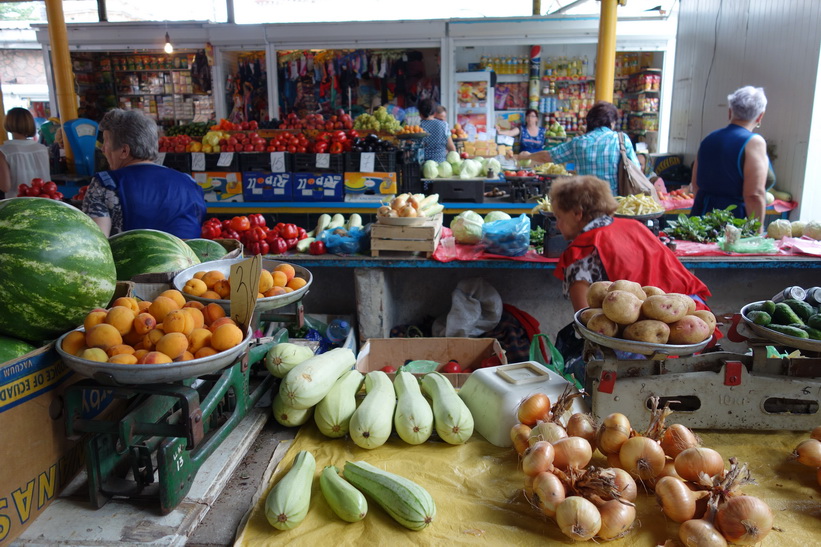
{"points": [[476, 307]]}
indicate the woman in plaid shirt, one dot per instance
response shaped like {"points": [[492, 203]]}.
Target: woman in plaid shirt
{"points": [[597, 151]]}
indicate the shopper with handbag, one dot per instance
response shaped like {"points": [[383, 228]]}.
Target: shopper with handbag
{"points": [[597, 152]]}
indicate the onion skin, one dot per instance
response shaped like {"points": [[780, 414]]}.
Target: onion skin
{"points": [[581, 425], [546, 431], [549, 492], [677, 501], [676, 439], [538, 458], [614, 461], [614, 432], [744, 520], [808, 452], [519, 434], [626, 484], [578, 518], [642, 457], [693, 461], [534, 409], [816, 433], [818, 476], [616, 519], [572, 452], [700, 533]]}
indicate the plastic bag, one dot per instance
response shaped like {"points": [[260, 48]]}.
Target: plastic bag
{"points": [[476, 307], [756, 244], [555, 362], [345, 242], [507, 237]]}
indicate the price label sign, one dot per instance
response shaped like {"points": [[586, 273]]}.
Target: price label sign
{"points": [[225, 159], [244, 290], [197, 161], [323, 160], [160, 159], [278, 162], [366, 162]]}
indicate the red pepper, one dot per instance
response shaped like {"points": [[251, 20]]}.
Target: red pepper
{"points": [[278, 246], [291, 242], [230, 234], [256, 233], [302, 233], [317, 248], [336, 148], [256, 219], [240, 224], [258, 248], [289, 231], [320, 147], [339, 136], [353, 133], [209, 231]]}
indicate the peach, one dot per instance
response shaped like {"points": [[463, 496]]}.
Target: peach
{"points": [[143, 305], [266, 281], [140, 354], [213, 295], [150, 340], [219, 322], [74, 342], [211, 277], [280, 279], [199, 275], [103, 336], [196, 316], [123, 359], [133, 337], [194, 304], [121, 318], [226, 336], [296, 283], [274, 291], [178, 321], [287, 269], [119, 349], [206, 351], [161, 306], [223, 288], [186, 356], [174, 295]]}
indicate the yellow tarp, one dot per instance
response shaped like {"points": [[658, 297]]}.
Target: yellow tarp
{"points": [[478, 492]]}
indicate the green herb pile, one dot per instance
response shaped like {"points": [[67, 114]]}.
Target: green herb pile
{"points": [[708, 228], [537, 239]]}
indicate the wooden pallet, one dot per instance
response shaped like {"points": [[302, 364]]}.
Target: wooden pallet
{"points": [[406, 239]]}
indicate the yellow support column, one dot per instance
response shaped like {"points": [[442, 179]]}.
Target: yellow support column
{"points": [[606, 52], [61, 66]]}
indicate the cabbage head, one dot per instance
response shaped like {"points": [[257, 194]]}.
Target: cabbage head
{"points": [[780, 228], [445, 170], [797, 227], [470, 169], [813, 229], [467, 228], [430, 169], [453, 157], [493, 165], [496, 215]]}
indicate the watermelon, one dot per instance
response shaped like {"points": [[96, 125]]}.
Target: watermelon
{"points": [[149, 251], [55, 266], [206, 249], [12, 348]]}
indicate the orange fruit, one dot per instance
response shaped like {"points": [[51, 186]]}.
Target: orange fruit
{"points": [[287, 269]]}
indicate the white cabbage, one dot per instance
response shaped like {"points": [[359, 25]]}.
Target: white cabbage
{"points": [[813, 229], [797, 228], [445, 170], [453, 157], [430, 169], [496, 215], [467, 227], [779, 229], [494, 165]]}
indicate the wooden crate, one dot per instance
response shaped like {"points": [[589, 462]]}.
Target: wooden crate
{"points": [[422, 238]]}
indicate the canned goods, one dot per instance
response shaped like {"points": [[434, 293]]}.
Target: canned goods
{"points": [[795, 293], [813, 297]]}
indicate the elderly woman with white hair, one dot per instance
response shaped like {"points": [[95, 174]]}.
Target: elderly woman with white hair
{"points": [[732, 165]]}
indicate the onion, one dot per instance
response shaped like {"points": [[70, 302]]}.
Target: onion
{"points": [[744, 520], [529, 484], [818, 476], [547, 431], [625, 484], [677, 439], [700, 533], [549, 492], [614, 432], [398, 202], [808, 452], [616, 519], [578, 518], [642, 457], [384, 211], [614, 461], [538, 458], [816, 433], [519, 434], [534, 409], [677, 501], [407, 211], [572, 452], [694, 461], [582, 425]]}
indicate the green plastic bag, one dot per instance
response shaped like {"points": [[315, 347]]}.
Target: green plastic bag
{"points": [[555, 362]]}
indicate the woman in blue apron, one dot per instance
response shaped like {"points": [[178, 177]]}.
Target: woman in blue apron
{"points": [[532, 136]]}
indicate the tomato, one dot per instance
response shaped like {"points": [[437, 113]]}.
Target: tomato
{"points": [[50, 187], [292, 149], [388, 369], [240, 224], [336, 148], [321, 147], [210, 231], [23, 190], [452, 367]]}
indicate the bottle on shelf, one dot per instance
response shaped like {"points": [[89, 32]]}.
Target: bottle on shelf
{"points": [[337, 332]]}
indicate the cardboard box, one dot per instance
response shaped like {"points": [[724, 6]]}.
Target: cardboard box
{"points": [[317, 186], [469, 352], [259, 186], [220, 185], [365, 184]]}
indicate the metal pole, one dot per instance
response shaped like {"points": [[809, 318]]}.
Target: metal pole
{"points": [[537, 7], [606, 52], [3, 135], [229, 6], [102, 13], [61, 64]]}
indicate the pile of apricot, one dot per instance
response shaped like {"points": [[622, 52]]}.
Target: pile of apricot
{"points": [[164, 330], [214, 285]]}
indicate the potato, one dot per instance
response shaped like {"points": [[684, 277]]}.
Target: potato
{"points": [[708, 317], [666, 308], [691, 304], [629, 286], [596, 292], [585, 315], [647, 330], [650, 290], [689, 330], [621, 307], [601, 324]]}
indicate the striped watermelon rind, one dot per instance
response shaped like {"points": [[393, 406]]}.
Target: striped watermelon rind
{"points": [[12, 348], [149, 251], [55, 266], [206, 249]]}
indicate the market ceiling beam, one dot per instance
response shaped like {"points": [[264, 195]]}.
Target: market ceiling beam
{"points": [[606, 50], [61, 66]]}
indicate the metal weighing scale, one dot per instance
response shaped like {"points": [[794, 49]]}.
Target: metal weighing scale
{"points": [[718, 390]]}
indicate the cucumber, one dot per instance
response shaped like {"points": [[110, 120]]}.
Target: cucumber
{"points": [[801, 308], [814, 334], [768, 306], [759, 318], [789, 331], [784, 315], [815, 321]]}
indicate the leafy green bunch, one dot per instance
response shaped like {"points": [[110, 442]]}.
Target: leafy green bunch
{"points": [[708, 228]]}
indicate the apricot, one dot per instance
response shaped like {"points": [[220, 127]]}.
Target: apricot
{"points": [[94, 354], [94, 317], [199, 338], [133, 337], [194, 304], [178, 321], [186, 356], [212, 312], [225, 337], [266, 281], [121, 318], [161, 306], [103, 336], [223, 288], [144, 322], [119, 349], [74, 342], [128, 302], [194, 287], [154, 358], [260, 295], [172, 344], [211, 277], [274, 291], [221, 321], [199, 275], [139, 354], [123, 359], [289, 289], [205, 351], [213, 295], [287, 269], [143, 305], [280, 279], [297, 283], [150, 340], [174, 295], [197, 317]]}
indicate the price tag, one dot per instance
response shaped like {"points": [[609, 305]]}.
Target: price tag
{"points": [[278, 162], [366, 161], [244, 291], [160, 159], [323, 160], [197, 161], [225, 159]]}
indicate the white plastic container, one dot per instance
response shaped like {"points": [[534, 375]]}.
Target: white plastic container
{"points": [[493, 395]]}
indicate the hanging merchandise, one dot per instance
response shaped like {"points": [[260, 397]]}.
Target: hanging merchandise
{"points": [[248, 89]]}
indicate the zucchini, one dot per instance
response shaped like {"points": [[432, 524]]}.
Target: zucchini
{"points": [[433, 210], [414, 418], [337, 221], [789, 330], [354, 221], [288, 501], [371, 423], [287, 416], [345, 500], [759, 318], [304, 244], [784, 315], [428, 201], [801, 308], [321, 224], [408, 503], [281, 358], [307, 383], [451, 416], [334, 411]]}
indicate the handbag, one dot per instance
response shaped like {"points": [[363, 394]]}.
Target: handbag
{"points": [[631, 178]]}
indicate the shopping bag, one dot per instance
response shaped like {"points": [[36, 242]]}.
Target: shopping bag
{"points": [[631, 178], [555, 362]]}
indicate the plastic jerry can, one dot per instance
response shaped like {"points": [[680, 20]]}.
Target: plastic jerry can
{"points": [[493, 396]]}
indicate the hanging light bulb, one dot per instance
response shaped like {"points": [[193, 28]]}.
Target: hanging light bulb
{"points": [[168, 47]]}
